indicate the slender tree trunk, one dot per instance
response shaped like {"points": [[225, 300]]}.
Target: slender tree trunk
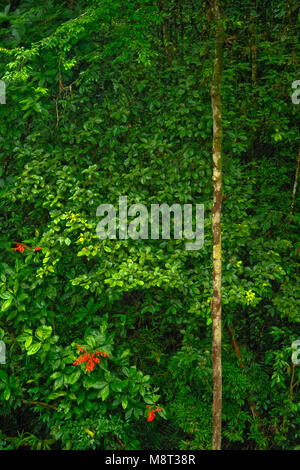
{"points": [[295, 183], [216, 304]]}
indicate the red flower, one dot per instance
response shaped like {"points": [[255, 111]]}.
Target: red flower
{"points": [[151, 415], [90, 365], [90, 359], [95, 359], [22, 246], [81, 358], [19, 247]]}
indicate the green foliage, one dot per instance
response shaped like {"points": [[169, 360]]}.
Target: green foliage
{"points": [[99, 104]]}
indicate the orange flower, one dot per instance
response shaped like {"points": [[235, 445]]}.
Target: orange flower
{"points": [[19, 247], [90, 359], [151, 415]]}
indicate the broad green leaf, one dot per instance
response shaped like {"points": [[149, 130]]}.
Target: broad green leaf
{"points": [[28, 342], [58, 383], [34, 348], [6, 304], [105, 392], [3, 376], [72, 379], [55, 375], [125, 353], [98, 385]]}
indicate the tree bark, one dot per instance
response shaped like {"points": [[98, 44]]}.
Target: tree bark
{"points": [[295, 184], [216, 304]]}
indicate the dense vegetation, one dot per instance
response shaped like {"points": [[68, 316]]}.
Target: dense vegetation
{"points": [[111, 98]]}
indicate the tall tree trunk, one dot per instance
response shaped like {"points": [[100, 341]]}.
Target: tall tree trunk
{"points": [[295, 184], [216, 304]]}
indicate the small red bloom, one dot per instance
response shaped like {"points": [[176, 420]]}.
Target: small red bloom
{"points": [[90, 359], [19, 247], [151, 415], [95, 359], [85, 356], [37, 248], [90, 365]]}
